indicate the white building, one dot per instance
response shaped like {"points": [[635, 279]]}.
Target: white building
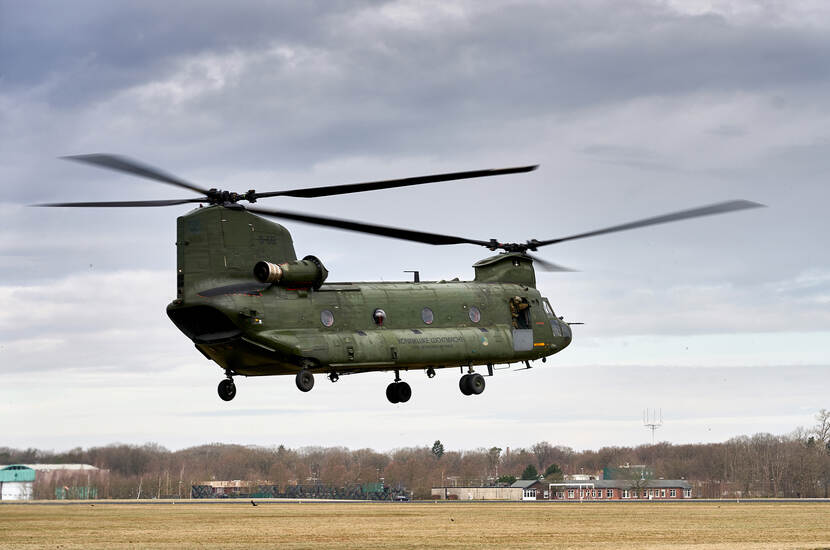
{"points": [[17, 482]]}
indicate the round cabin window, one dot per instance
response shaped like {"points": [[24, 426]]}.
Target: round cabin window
{"points": [[327, 318], [475, 314], [427, 316], [379, 317]]}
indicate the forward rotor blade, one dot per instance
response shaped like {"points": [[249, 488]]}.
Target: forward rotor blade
{"points": [[719, 208], [126, 203], [360, 227], [129, 166], [390, 184], [545, 265]]}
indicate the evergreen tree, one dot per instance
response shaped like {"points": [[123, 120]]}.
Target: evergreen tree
{"points": [[438, 449], [554, 472], [530, 472]]}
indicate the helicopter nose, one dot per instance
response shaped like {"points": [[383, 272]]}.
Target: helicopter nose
{"points": [[567, 335]]}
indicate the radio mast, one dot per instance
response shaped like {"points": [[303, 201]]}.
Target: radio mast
{"points": [[652, 419]]}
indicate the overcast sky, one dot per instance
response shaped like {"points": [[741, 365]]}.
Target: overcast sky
{"points": [[633, 109]]}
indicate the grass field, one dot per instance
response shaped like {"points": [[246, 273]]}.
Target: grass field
{"points": [[415, 525]]}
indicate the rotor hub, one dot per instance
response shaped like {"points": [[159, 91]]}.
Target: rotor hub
{"points": [[221, 197]]}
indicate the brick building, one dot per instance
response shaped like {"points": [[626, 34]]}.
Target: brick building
{"points": [[605, 489]]}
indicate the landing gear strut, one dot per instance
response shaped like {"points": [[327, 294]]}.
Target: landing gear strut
{"points": [[305, 380], [397, 391], [227, 389], [471, 384]]}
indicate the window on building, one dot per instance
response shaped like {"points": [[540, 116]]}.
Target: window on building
{"points": [[687, 493], [625, 493], [673, 493], [560, 494], [570, 493], [609, 493], [547, 495], [599, 493], [529, 493], [594, 493], [662, 493]]}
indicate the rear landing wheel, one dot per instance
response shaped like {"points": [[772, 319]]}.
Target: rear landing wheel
{"points": [[226, 389], [305, 380], [464, 385], [476, 383]]}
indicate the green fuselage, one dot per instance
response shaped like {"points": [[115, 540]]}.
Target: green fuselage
{"points": [[253, 329]]}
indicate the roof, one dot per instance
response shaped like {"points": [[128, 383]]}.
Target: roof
{"points": [[629, 483], [524, 483], [474, 487], [52, 467], [16, 472]]}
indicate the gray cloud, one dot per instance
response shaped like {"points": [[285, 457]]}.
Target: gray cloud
{"points": [[634, 109]]}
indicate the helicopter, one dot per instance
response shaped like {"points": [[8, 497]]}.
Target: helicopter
{"points": [[250, 306]]}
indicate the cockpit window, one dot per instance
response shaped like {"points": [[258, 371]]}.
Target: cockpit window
{"points": [[548, 310]]}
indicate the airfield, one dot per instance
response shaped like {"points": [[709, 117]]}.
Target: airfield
{"points": [[320, 525]]}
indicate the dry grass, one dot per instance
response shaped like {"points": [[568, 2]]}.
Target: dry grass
{"points": [[415, 525]]}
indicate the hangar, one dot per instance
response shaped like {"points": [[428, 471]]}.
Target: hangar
{"points": [[65, 481], [16, 482]]}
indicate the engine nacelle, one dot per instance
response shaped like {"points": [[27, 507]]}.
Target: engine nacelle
{"points": [[305, 273]]}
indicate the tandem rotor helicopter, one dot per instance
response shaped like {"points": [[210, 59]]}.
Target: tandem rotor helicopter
{"points": [[252, 307]]}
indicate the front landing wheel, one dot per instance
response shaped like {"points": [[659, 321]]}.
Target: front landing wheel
{"points": [[398, 392], [305, 380], [227, 389], [471, 384], [392, 393]]}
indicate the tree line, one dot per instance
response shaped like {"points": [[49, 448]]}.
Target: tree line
{"points": [[761, 465]]}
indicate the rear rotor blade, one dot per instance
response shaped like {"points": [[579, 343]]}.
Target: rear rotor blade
{"points": [[129, 166], [360, 227], [126, 203], [390, 184], [719, 208]]}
